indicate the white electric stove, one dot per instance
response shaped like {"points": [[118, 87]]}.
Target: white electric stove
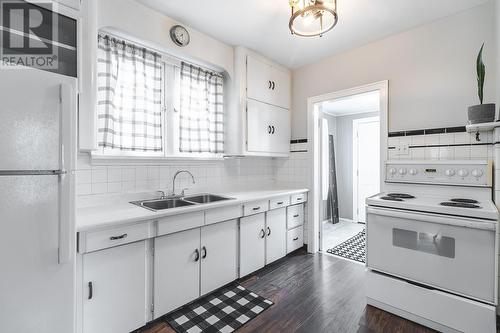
{"points": [[432, 246]]}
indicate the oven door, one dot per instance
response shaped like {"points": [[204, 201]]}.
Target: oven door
{"points": [[449, 253]]}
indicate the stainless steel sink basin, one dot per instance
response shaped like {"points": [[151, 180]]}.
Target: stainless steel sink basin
{"points": [[161, 204], [205, 198]]}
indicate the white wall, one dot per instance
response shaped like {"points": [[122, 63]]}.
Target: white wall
{"points": [[149, 25], [431, 72]]}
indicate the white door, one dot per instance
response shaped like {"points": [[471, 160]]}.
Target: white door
{"points": [[281, 88], [115, 284], [176, 270], [259, 80], [268, 128], [275, 234], [366, 163], [219, 255], [252, 243]]}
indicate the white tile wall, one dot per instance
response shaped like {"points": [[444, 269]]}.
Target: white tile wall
{"points": [[230, 173], [471, 150]]}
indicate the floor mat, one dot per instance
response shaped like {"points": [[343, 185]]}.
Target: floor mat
{"points": [[352, 249], [224, 310]]}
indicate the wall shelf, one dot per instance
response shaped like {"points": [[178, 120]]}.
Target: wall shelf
{"points": [[482, 127]]}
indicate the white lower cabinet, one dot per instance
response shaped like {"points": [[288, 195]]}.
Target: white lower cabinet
{"points": [[219, 255], [176, 270], [191, 263], [114, 285], [275, 235], [252, 243], [262, 240]]}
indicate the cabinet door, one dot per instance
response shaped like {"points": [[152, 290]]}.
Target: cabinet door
{"points": [[115, 289], [219, 248], [176, 270], [259, 80], [268, 128], [252, 243], [281, 88], [275, 234]]}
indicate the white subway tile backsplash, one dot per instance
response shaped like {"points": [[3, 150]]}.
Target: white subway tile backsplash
{"points": [[84, 176], [99, 175], [431, 139], [462, 152]]}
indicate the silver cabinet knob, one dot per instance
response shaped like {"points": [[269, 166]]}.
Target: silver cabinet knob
{"points": [[477, 173], [463, 173], [450, 173]]}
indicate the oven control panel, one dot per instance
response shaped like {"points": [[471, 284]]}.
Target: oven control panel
{"points": [[462, 173]]}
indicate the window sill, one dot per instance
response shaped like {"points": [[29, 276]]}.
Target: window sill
{"points": [[100, 159]]}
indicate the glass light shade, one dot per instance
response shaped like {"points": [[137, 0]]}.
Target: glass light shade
{"points": [[312, 18]]}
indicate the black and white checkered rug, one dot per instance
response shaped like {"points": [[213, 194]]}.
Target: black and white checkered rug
{"points": [[352, 249], [224, 310]]}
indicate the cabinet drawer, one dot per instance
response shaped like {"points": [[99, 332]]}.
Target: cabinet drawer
{"points": [[223, 214], [97, 240], [294, 216], [176, 223], [255, 207], [294, 239], [279, 202], [298, 198]]}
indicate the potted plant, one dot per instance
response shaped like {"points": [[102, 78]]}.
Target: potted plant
{"points": [[482, 113]]}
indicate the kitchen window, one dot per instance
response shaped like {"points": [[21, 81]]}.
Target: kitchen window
{"points": [[153, 105]]}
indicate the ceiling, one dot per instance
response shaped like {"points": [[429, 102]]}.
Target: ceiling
{"points": [[361, 103], [262, 25]]}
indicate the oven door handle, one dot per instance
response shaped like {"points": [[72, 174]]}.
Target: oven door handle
{"points": [[433, 218]]}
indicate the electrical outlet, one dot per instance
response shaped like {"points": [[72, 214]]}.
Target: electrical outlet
{"points": [[403, 149]]}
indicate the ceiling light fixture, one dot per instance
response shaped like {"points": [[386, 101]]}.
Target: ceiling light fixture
{"points": [[312, 18]]}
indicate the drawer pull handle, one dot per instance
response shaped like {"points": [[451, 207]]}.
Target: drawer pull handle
{"points": [[280, 203], [91, 290], [270, 84], [256, 208], [296, 215], [204, 250], [197, 255], [299, 199], [295, 239], [262, 233], [268, 231], [118, 237]]}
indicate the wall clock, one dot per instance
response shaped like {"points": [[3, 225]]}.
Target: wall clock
{"points": [[179, 35]]}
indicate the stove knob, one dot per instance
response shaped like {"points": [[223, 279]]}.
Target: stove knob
{"points": [[450, 173], [392, 171], [402, 171], [413, 172], [463, 173], [477, 173]]}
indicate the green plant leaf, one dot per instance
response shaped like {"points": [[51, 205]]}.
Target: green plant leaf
{"points": [[481, 73]]}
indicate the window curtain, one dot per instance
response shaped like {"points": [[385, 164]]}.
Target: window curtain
{"points": [[201, 110], [129, 80]]}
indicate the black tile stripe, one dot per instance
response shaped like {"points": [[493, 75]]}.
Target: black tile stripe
{"points": [[298, 141], [441, 130], [450, 145]]}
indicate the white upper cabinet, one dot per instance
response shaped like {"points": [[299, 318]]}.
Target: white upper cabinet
{"points": [[267, 83], [268, 128], [259, 107]]}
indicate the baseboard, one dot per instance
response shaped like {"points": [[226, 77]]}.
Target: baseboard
{"points": [[341, 219]]}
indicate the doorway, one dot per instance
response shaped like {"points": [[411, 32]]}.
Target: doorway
{"points": [[355, 120]]}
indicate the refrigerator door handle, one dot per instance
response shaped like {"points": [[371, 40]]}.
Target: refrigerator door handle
{"points": [[66, 186]]}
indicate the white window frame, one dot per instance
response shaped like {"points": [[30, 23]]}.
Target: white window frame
{"points": [[170, 118]]}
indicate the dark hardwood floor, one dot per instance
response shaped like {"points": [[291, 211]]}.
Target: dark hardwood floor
{"points": [[314, 293]]}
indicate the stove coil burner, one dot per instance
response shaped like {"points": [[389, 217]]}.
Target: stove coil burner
{"points": [[391, 198], [400, 196], [469, 201], [459, 204]]}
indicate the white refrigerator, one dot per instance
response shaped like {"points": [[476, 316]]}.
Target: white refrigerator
{"points": [[37, 223]]}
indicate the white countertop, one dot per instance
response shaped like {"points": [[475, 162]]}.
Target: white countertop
{"points": [[116, 213]]}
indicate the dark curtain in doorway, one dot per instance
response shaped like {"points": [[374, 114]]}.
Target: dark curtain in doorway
{"points": [[332, 207]]}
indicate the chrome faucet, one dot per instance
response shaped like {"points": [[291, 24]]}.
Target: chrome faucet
{"points": [[175, 176]]}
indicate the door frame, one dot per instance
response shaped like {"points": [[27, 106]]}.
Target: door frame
{"points": [[314, 140], [355, 185]]}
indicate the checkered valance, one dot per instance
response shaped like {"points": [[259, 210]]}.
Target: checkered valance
{"points": [[201, 110], [129, 81]]}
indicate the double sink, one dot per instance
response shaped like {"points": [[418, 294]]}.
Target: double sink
{"points": [[175, 202]]}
